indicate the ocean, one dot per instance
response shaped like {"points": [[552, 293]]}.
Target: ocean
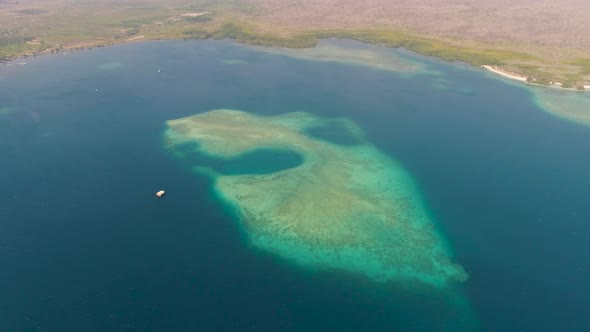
{"points": [[86, 246]]}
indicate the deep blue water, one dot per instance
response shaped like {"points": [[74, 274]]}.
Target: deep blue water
{"points": [[85, 245]]}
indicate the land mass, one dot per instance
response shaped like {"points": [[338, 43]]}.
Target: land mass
{"points": [[539, 40]]}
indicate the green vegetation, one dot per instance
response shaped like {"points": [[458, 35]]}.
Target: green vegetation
{"points": [[196, 34], [9, 46], [8, 41], [250, 37], [54, 26], [540, 77], [199, 18], [534, 74], [243, 35], [584, 64], [429, 47], [426, 46]]}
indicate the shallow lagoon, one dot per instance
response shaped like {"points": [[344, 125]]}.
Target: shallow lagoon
{"points": [[86, 245]]}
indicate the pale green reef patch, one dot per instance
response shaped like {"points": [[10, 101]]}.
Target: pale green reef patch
{"points": [[110, 66], [441, 83], [570, 105], [345, 207], [331, 51], [6, 110], [230, 62]]}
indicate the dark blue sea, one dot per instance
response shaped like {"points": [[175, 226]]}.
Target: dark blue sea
{"points": [[86, 246]]}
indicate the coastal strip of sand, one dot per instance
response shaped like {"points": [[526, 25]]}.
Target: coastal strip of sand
{"points": [[505, 74], [135, 38], [524, 79], [195, 14]]}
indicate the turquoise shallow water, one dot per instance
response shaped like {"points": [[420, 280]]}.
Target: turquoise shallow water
{"points": [[85, 245]]}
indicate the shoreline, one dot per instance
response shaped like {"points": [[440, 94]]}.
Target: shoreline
{"points": [[524, 79], [142, 38], [506, 74]]}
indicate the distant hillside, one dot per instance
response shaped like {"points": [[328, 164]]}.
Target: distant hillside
{"points": [[545, 40], [563, 23]]}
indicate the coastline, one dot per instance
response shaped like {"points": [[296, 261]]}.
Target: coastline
{"points": [[285, 44], [526, 80], [506, 74], [60, 27]]}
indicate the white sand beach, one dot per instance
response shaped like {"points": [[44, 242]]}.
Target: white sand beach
{"points": [[511, 76]]}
